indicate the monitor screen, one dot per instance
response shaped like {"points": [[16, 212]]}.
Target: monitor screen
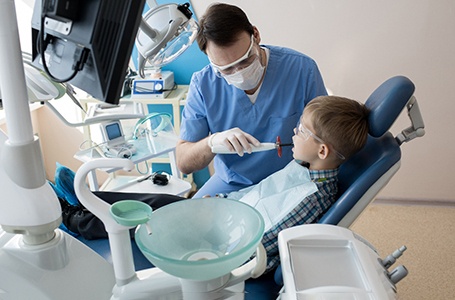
{"points": [[113, 131], [86, 43]]}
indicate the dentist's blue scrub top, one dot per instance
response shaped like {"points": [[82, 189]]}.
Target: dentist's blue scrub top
{"points": [[292, 79]]}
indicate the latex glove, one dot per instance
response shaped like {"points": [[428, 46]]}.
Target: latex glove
{"points": [[234, 139]]}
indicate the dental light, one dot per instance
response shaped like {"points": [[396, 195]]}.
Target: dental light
{"points": [[165, 32], [41, 88]]}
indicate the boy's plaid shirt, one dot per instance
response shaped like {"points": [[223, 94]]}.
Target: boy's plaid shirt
{"points": [[308, 211]]}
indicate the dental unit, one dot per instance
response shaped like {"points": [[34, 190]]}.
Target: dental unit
{"points": [[41, 262], [201, 248]]}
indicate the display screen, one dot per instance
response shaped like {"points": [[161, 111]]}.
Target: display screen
{"points": [[113, 131], [86, 43]]}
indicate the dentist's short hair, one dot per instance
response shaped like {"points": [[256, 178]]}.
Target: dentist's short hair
{"points": [[221, 24]]}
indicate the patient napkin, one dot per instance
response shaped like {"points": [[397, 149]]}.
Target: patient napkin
{"points": [[277, 195]]}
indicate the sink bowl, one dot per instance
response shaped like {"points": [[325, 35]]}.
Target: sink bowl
{"points": [[201, 239]]}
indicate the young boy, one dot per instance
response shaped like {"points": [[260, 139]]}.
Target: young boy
{"points": [[330, 130]]}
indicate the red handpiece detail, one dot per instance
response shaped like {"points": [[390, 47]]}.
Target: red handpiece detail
{"points": [[278, 146]]}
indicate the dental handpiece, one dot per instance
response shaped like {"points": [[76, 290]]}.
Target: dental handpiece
{"points": [[221, 149]]}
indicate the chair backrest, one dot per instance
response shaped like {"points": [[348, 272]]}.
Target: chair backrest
{"points": [[366, 173]]}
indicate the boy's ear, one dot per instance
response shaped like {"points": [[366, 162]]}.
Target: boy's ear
{"points": [[323, 151]]}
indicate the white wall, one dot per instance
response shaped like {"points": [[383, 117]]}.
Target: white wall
{"points": [[358, 44]]}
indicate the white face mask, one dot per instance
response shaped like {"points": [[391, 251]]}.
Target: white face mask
{"points": [[247, 78]]}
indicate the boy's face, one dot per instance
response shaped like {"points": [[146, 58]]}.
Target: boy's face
{"points": [[305, 146]]}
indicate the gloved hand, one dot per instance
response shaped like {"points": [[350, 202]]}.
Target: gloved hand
{"points": [[234, 139]]}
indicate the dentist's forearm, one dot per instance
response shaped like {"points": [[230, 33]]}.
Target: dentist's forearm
{"points": [[193, 157]]}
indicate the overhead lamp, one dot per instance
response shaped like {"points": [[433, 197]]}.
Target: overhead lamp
{"points": [[165, 32]]}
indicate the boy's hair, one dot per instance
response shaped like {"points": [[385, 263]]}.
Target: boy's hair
{"points": [[221, 24], [340, 122]]}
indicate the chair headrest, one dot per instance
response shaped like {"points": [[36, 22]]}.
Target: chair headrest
{"points": [[387, 102]]}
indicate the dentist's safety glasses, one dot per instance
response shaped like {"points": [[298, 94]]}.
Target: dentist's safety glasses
{"points": [[246, 60], [305, 134]]}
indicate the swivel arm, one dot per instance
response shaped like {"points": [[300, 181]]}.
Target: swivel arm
{"points": [[417, 127]]}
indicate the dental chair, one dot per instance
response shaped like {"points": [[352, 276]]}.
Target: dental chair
{"points": [[360, 178], [364, 175]]}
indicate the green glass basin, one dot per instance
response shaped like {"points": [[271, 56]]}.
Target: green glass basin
{"points": [[201, 239]]}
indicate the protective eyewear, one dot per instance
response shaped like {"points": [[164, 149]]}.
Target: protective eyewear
{"points": [[305, 134], [241, 63]]}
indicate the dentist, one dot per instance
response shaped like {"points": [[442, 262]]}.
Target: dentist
{"points": [[249, 93]]}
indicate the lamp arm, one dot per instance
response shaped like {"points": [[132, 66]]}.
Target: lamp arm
{"points": [[147, 29], [151, 3], [91, 121], [62, 118]]}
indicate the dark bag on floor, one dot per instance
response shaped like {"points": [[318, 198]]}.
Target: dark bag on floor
{"points": [[81, 221]]}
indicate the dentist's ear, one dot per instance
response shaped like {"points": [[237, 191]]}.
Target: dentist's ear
{"points": [[256, 35]]}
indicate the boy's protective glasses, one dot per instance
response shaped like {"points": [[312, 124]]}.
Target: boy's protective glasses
{"points": [[241, 63], [305, 134]]}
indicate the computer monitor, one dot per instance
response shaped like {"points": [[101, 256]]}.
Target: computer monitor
{"points": [[86, 43]]}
